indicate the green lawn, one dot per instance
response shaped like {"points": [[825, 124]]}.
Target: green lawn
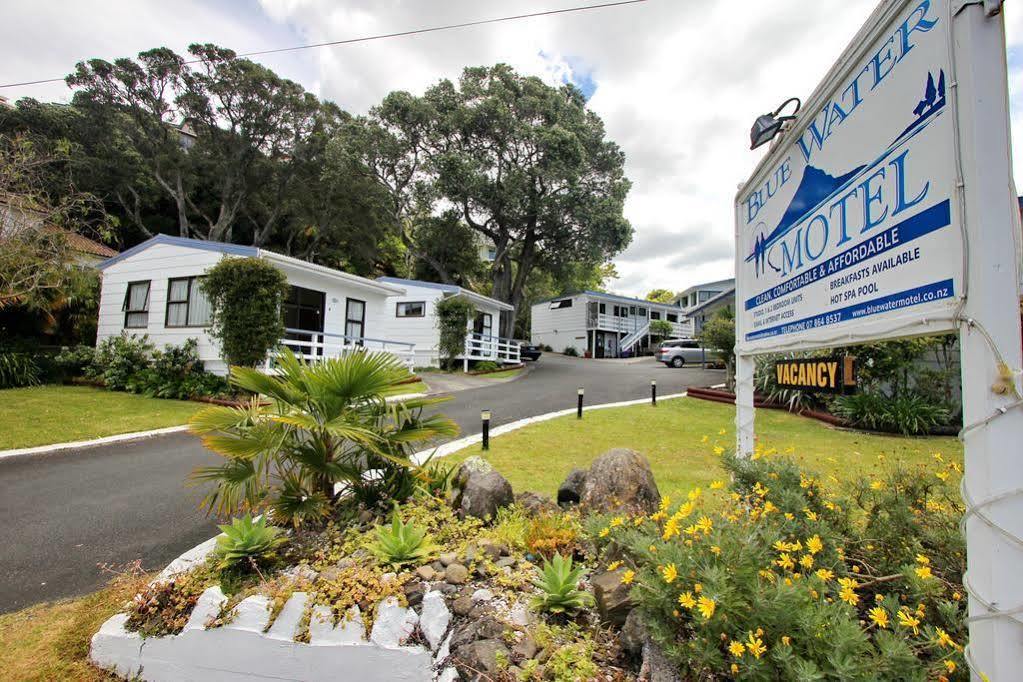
{"points": [[538, 457], [504, 374], [43, 415]]}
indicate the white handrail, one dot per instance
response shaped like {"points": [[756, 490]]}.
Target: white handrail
{"points": [[320, 346], [493, 348]]}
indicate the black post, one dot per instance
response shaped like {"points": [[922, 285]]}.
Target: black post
{"points": [[579, 408], [653, 392], [485, 416]]}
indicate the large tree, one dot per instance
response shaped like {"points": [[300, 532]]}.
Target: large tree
{"points": [[526, 166], [215, 117]]}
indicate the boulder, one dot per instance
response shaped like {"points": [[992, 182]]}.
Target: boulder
{"points": [[456, 574], [571, 490], [434, 618], [656, 666], [634, 634], [485, 627], [482, 656], [535, 503], [481, 490], [620, 479], [612, 597]]}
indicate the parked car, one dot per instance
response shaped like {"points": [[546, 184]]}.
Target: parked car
{"points": [[529, 351], [682, 352]]}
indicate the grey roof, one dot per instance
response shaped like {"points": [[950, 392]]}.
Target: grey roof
{"points": [[446, 288], [710, 301], [233, 249], [609, 297]]}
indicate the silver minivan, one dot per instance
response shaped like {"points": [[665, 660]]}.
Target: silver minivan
{"points": [[682, 352]]}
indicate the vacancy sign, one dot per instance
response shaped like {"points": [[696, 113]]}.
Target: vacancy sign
{"points": [[852, 223]]}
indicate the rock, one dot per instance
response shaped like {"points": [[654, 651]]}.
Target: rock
{"points": [[394, 623], [443, 652], [330, 574], [620, 479], [301, 572], [495, 551], [445, 589], [437, 566], [482, 491], [414, 593], [486, 627], [462, 606], [366, 516], [482, 656], [571, 490], [535, 503], [456, 574], [482, 595], [519, 614], [634, 634], [449, 674], [524, 649], [656, 667], [448, 558], [612, 596], [505, 562], [434, 618], [427, 573]]}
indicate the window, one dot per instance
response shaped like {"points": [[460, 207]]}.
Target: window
{"points": [[622, 310], [632, 310], [563, 303], [603, 308], [303, 309], [411, 309], [655, 315], [672, 317], [355, 320], [641, 312], [483, 324], [186, 303], [492, 253], [136, 305]]}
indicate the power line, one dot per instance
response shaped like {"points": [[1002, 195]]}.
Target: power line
{"points": [[382, 36]]}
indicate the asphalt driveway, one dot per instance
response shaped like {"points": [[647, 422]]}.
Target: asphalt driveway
{"points": [[64, 514]]}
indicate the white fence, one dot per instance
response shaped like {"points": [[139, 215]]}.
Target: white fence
{"points": [[319, 346], [493, 348]]}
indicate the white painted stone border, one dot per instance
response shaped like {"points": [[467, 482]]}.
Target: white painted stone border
{"points": [[106, 440], [454, 446]]}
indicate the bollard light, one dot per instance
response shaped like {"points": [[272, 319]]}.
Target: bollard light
{"points": [[653, 392], [485, 418], [579, 407]]}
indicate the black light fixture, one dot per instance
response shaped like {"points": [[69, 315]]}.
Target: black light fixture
{"points": [[766, 127]]}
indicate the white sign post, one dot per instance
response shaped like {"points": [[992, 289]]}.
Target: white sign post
{"points": [[886, 211]]}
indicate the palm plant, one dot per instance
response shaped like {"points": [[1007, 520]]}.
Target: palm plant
{"points": [[310, 428], [559, 587]]}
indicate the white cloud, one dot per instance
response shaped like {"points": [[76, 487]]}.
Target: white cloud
{"points": [[677, 83]]}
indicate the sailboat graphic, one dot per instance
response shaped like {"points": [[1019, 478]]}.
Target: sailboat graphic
{"points": [[817, 186]]}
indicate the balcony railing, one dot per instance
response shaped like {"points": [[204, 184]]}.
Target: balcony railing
{"points": [[493, 348], [628, 325], [319, 346]]}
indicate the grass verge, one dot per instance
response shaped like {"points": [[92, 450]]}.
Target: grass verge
{"points": [[51, 641], [43, 415], [682, 440]]}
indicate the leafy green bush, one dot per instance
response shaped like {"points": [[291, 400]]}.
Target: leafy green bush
{"points": [[660, 328], [453, 314], [246, 541], [245, 296], [571, 351], [18, 368], [718, 334], [487, 366], [787, 579], [402, 543], [908, 413], [75, 361], [177, 372], [325, 425], [793, 399], [120, 358], [559, 587]]}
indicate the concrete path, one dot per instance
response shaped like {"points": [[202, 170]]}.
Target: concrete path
{"points": [[62, 514]]}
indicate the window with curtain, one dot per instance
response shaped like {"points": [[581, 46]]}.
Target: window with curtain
{"points": [[355, 320], [136, 305], [411, 309], [186, 303]]}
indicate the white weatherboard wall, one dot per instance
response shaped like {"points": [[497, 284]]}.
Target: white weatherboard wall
{"points": [[560, 328]]}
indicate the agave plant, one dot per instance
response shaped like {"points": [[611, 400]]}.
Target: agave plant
{"points": [[311, 430], [246, 539], [559, 585], [402, 543]]}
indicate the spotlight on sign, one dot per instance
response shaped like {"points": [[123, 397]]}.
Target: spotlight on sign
{"points": [[766, 127]]}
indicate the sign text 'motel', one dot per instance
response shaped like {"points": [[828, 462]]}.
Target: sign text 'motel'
{"points": [[819, 375]]}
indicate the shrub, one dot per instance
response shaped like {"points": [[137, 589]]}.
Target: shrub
{"points": [[76, 360], [177, 372], [571, 351], [245, 296], [559, 587], [718, 334], [660, 329], [402, 543], [19, 368], [120, 358], [246, 542], [793, 399], [908, 413], [487, 366], [547, 348], [788, 580], [453, 314], [326, 424], [552, 533]]}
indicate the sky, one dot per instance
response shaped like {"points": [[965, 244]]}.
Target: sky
{"points": [[677, 83]]}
